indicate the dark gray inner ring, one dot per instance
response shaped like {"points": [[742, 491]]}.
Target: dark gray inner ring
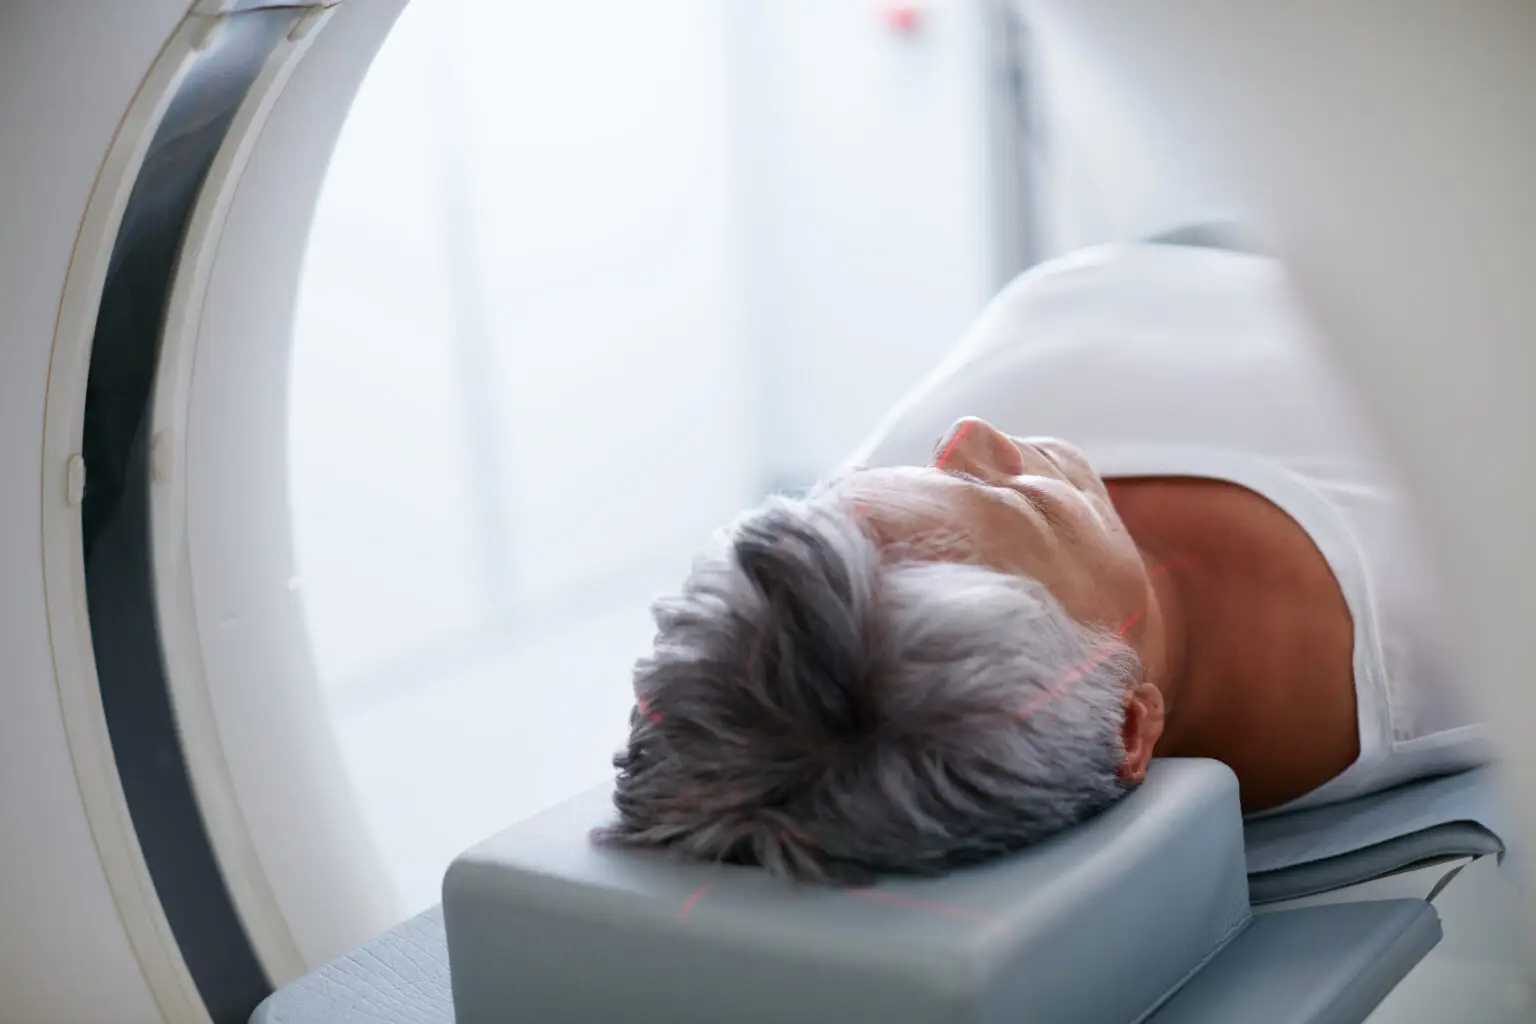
{"points": [[115, 517]]}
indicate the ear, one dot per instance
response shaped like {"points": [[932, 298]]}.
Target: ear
{"points": [[1144, 719]]}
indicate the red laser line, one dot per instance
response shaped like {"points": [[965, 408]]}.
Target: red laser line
{"points": [[1042, 699], [1177, 563], [912, 903], [944, 455], [1056, 690], [692, 901]]}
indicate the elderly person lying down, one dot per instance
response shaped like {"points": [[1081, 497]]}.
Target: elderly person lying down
{"points": [[1131, 516]]}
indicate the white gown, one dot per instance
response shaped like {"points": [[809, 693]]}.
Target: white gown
{"points": [[1173, 361]]}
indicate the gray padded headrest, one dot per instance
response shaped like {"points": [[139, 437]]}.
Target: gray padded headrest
{"points": [[1101, 923]]}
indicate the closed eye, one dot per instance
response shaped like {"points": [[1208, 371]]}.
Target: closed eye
{"points": [[960, 474], [1049, 514]]}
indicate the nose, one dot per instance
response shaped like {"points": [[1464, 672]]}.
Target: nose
{"points": [[976, 447]]}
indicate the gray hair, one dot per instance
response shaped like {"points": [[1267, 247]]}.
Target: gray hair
{"points": [[832, 709]]}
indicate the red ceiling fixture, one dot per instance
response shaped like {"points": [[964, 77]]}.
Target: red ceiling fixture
{"points": [[905, 18]]}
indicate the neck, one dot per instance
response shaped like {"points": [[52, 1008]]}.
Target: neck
{"points": [[1169, 653]]}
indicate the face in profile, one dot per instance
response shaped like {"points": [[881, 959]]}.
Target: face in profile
{"points": [[1030, 506]]}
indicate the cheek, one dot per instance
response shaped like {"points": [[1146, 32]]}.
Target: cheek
{"points": [[1131, 593], [1100, 593], [1101, 578]]}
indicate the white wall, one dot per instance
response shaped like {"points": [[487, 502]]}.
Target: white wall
{"points": [[1104, 165], [520, 293], [587, 279], [868, 187]]}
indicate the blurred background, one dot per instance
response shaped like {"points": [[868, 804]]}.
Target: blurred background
{"points": [[586, 279]]}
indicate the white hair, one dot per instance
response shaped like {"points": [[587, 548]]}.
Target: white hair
{"points": [[833, 709]]}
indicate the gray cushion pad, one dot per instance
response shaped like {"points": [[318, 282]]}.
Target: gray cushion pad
{"points": [[1433, 845], [400, 977], [1326, 848], [1331, 964], [542, 923]]}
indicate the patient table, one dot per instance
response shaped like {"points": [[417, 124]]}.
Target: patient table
{"points": [[1165, 909]]}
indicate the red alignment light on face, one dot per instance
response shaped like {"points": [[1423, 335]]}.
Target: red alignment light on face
{"points": [[950, 448], [1101, 654]]}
